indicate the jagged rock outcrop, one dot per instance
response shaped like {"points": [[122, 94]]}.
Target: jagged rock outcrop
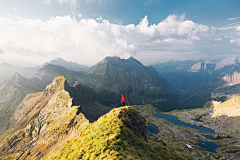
{"points": [[134, 122]]}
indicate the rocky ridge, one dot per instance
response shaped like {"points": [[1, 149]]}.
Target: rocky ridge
{"points": [[48, 122], [50, 125]]}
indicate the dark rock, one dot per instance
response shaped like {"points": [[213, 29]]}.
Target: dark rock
{"points": [[135, 122]]}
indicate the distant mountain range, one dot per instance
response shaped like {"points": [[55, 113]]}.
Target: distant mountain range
{"points": [[69, 65], [6, 70], [188, 76]]}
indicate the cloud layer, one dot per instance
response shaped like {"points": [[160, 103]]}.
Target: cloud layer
{"points": [[87, 41]]}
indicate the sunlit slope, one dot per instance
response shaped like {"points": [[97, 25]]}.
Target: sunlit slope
{"points": [[48, 122], [230, 107], [112, 137]]}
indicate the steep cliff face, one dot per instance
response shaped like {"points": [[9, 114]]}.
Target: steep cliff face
{"points": [[47, 120]]}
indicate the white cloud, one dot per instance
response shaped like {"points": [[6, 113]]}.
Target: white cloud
{"points": [[231, 19], [89, 40], [218, 39]]}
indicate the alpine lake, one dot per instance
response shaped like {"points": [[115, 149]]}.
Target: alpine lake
{"points": [[189, 137]]}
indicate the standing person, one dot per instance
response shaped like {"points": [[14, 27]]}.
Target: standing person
{"points": [[123, 100]]}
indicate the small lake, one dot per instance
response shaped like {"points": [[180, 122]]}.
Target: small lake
{"points": [[152, 128], [195, 120], [211, 147], [175, 121]]}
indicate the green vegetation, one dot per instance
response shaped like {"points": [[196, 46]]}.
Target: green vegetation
{"points": [[109, 138]]}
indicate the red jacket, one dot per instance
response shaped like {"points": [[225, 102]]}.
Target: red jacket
{"points": [[123, 99]]}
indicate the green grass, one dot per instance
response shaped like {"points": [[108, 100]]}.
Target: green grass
{"points": [[108, 138]]}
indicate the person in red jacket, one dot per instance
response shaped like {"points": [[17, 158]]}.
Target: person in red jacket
{"points": [[123, 100]]}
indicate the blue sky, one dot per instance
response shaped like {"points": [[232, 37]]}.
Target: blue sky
{"points": [[86, 31]]}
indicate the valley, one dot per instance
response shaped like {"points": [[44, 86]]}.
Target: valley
{"points": [[190, 141]]}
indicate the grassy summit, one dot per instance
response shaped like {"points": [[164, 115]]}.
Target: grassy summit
{"points": [[109, 138]]}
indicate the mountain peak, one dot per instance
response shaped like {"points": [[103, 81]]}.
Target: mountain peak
{"points": [[114, 58], [6, 64], [226, 62], [16, 74], [68, 64], [58, 83]]}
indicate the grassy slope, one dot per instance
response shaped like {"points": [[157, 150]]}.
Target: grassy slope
{"points": [[108, 138]]}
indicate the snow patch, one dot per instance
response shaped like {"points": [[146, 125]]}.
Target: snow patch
{"points": [[188, 145]]}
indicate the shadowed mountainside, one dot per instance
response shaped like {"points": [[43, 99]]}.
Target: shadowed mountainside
{"points": [[140, 84], [219, 89]]}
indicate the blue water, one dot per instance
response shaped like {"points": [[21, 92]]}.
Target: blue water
{"points": [[175, 121], [211, 138], [211, 147], [153, 128]]}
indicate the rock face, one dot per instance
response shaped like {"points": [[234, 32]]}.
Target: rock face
{"points": [[230, 108], [134, 122]]}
